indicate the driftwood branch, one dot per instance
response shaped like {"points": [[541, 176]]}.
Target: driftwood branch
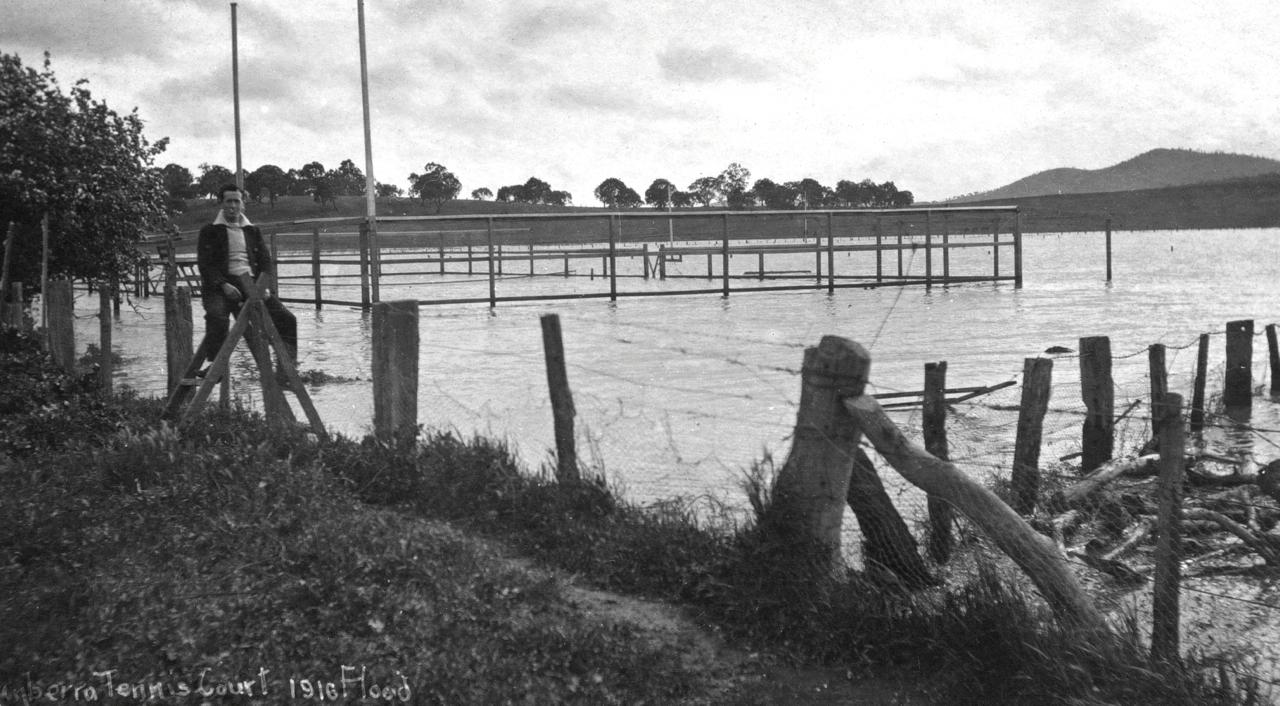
{"points": [[1104, 474], [1266, 547], [1037, 557]]}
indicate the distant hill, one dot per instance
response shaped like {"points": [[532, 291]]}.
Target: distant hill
{"points": [[1246, 202], [1149, 170]]}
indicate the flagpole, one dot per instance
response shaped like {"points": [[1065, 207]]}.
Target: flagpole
{"points": [[235, 92], [370, 184]]}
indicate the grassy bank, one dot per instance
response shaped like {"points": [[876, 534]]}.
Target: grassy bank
{"points": [[132, 552]]}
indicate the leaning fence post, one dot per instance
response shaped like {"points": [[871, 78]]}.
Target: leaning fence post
{"points": [[812, 487], [1159, 378], [60, 336], [934, 418], [1273, 357], [1164, 625], [1237, 390], [395, 369], [104, 338], [1037, 384], [1197, 394], [1098, 393], [561, 399]]}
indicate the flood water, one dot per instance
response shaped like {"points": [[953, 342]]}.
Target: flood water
{"points": [[677, 395]]}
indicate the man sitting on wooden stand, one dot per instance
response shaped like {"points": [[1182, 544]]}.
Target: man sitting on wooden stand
{"points": [[231, 254]]}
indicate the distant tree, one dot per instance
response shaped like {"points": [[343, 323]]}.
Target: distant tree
{"points": [[213, 176], [482, 194], [323, 191], [704, 190], [386, 191], [659, 193], [177, 180], [903, 199], [507, 194], [775, 196], [347, 179], [811, 193], [734, 178], [535, 191], [614, 193], [269, 181], [436, 184], [86, 167], [681, 199], [559, 198]]}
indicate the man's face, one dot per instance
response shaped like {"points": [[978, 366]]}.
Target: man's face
{"points": [[232, 205]]}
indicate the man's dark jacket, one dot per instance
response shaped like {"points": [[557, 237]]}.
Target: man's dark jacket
{"points": [[211, 256]]}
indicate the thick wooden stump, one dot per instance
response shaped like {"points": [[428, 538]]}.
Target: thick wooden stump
{"points": [[395, 368]]}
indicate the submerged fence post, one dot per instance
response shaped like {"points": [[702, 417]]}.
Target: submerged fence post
{"points": [[1108, 249], [995, 248], [934, 422], [1165, 612], [1159, 379], [315, 263], [395, 369], [662, 262], [946, 248], [831, 258], [60, 337], [561, 399], [104, 338], [613, 259], [724, 253], [928, 251], [1037, 384], [1273, 357], [879, 251], [493, 287], [1098, 393], [364, 264], [1237, 390], [1017, 250], [1197, 394]]}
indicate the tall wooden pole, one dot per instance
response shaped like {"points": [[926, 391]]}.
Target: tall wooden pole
{"points": [[235, 94], [370, 184]]}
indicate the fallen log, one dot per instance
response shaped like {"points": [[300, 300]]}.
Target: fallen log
{"points": [[1107, 472], [1035, 555], [1265, 546]]}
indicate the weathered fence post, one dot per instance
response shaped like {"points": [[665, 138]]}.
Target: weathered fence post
{"points": [[644, 250], [1237, 390], [946, 247], [493, 285], [1165, 613], [315, 263], [928, 251], [817, 258], [613, 260], [13, 312], [177, 332], [1037, 384], [831, 258], [812, 487], [1098, 393], [901, 230], [662, 262], [531, 267], [1017, 250], [440, 251], [1159, 379], [934, 422], [1273, 357], [395, 369], [104, 338], [364, 264], [885, 538], [60, 335], [995, 248], [724, 254], [1108, 249], [1197, 394], [879, 251], [561, 399]]}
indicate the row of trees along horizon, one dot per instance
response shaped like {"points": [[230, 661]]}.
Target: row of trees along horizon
{"points": [[732, 188], [72, 167]]}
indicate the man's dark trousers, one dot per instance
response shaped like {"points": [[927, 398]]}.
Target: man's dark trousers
{"points": [[217, 308]]}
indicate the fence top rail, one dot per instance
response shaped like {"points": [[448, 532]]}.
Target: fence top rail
{"points": [[692, 213], [698, 213]]}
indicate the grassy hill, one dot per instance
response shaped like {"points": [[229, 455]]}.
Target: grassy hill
{"points": [[1150, 170], [1250, 202]]}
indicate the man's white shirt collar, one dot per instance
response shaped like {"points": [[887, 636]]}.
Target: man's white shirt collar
{"points": [[221, 220]]}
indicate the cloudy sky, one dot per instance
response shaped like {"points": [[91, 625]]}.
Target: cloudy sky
{"points": [[943, 98]]}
